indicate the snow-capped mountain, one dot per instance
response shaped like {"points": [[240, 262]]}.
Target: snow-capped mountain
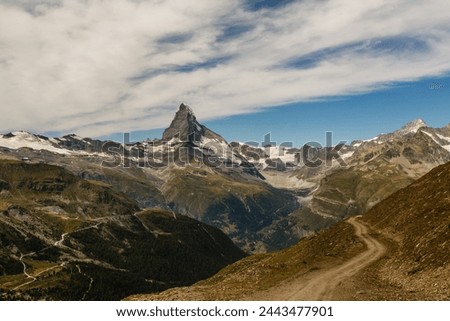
{"points": [[195, 171], [202, 144], [280, 158], [22, 139], [376, 168], [60, 192], [366, 171], [411, 127], [66, 145]]}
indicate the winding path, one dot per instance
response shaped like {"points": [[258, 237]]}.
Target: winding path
{"points": [[321, 285], [64, 235], [29, 276], [58, 244], [91, 281]]}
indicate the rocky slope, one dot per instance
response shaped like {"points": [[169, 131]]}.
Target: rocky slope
{"points": [[63, 237], [379, 167], [416, 220]]}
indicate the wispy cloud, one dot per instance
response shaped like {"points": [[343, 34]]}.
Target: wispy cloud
{"points": [[101, 66]]}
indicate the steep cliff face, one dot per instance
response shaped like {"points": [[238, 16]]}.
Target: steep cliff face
{"points": [[186, 128]]}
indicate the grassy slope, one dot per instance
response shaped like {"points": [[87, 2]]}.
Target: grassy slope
{"points": [[122, 251], [417, 220]]}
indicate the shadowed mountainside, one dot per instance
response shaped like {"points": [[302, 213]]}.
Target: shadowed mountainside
{"points": [[65, 238]]}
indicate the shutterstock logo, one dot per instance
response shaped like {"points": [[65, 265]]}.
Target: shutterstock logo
{"points": [[311, 154], [267, 154]]}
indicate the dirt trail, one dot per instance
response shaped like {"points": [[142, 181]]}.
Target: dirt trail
{"points": [[321, 285]]}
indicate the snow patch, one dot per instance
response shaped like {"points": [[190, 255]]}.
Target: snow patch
{"points": [[280, 152], [371, 140], [445, 146], [443, 137], [412, 127], [347, 155], [27, 140]]}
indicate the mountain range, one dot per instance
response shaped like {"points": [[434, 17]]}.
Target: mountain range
{"points": [[365, 172], [77, 212]]}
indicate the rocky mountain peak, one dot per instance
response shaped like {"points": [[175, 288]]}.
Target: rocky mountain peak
{"points": [[186, 109], [186, 128], [412, 127]]}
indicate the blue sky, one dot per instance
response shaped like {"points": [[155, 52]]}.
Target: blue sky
{"points": [[296, 68], [348, 117]]}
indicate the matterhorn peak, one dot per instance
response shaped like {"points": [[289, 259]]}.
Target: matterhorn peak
{"points": [[185, 108], [186, 128]]}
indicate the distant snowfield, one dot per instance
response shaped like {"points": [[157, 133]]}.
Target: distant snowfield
{"points": [[22, 139], [26, 140], [280, 152]]}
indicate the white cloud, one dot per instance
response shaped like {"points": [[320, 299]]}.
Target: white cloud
{"points": [[101, 66]]}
